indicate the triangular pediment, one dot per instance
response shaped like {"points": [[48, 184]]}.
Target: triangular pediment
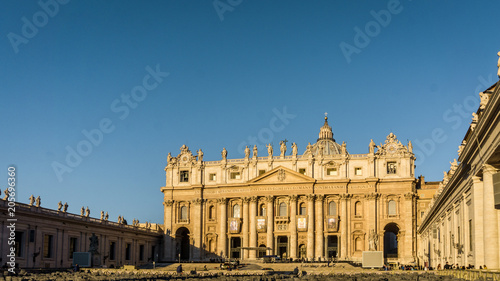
{"points": [[280, 175]]}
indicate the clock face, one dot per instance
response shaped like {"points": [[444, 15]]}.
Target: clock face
{"points": [[391, 148], [184, 158]]}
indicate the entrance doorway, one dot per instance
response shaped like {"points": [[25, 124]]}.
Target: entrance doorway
{"points": [[262, 251], [332, 246], [302, 251], [182, 243], [283, 247], [391, 240], [235, 247]]}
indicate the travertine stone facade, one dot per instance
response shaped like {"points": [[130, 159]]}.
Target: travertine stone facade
{"points": [[47, 238], [318, 205], [462, 225]]}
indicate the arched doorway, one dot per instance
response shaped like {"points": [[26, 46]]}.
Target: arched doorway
{"points": [[391, 240], [182, 243], [302, 251], [262, 251]]}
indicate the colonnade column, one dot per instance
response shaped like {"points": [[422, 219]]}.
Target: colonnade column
{"points": [[477, 221], [222, 251], [197, 220], [293, 226], [490, 217], [343, 226], [253, 227], [270, 223], [320, 238], [310, 226], [245, 226]]}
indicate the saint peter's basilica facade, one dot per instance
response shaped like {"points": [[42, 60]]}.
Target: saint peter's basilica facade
{"points": [[325, 203]]}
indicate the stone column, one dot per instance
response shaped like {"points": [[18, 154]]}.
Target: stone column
{"points": [[343, 226], [197, 226], [310, 226], [491, 250], [270, 223], [222, 251], [245, 226], [169, 246], [320, 250], [293, 226], [253, 227], [477, 220]]}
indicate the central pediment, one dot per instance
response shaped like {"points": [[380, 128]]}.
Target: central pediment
{"points": [[280, 175]]}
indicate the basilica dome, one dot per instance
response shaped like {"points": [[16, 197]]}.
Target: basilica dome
{"points": [[325, 145]]}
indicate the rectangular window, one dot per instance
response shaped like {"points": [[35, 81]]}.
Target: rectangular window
{"points": [[72, 246], [47, 245], [358, 171], [141, 252], [302, 171], [112, 251], [184, 176], [212, 177], [261, 172], [19, 243], [235, 175], [391, 168], [331, 171], [128, 249], [470, 235]]}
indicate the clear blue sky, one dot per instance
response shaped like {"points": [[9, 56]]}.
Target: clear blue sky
{"points": [[64, 69]]}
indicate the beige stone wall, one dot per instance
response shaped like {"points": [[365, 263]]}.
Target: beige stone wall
{"points": [[35, 223]]}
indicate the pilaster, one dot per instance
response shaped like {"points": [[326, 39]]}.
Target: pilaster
{"points": [[270, 223], [320, 251], [223, 227], [253, 227], [310, 226], [293, 226], [245, 227], [491, 249]]}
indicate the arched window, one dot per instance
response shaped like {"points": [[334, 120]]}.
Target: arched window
{"points": [[211, 212], [236, 211], [283, 209], [262, 210], [184, 213], [302, 209], [391, 206], [332, 209], [358, 209]]}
